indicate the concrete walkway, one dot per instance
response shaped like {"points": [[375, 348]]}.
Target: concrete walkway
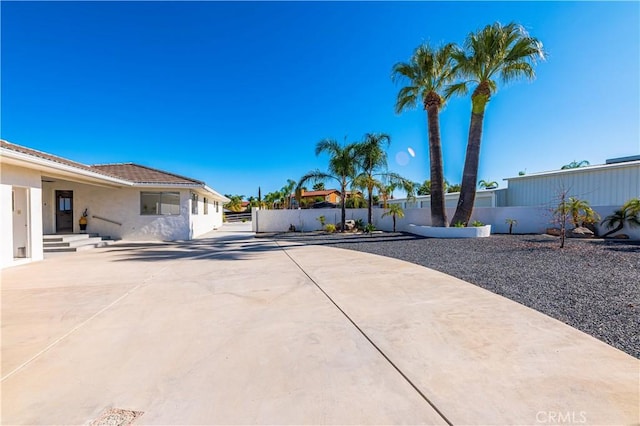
{"points": [[229, 329]]}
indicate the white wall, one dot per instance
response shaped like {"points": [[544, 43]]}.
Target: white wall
{"points": [[531, 220], [203, 223], [120, 205], [27, 182]]}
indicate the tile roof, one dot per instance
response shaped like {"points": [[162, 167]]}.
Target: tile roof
{"points": [[143, 174], [125, 171], [49, 157], [319, 193]]}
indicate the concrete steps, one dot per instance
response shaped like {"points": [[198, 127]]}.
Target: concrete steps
{"points": [[73, 242]]}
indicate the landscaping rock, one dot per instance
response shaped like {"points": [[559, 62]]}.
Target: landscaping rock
{"points": [[581, 232], [553, 231]]}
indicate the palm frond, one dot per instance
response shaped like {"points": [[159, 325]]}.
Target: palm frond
{"points": [[315, 176], [327, 145]]}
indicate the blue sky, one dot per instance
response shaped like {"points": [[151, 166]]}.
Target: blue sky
{"points": [[238, 94]]}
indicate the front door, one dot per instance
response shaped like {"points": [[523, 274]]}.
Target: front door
{"points": [[64, 211]]}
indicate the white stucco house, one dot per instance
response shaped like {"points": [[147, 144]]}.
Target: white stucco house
{"points": [[42, 194]]}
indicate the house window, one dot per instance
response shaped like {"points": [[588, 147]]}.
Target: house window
{"points": [[194, 203], [217, 207], [205, 205], [159, 203]]}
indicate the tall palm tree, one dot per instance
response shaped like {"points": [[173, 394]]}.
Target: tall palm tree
{"points": [[428, 73], [343, 168], [386, 191], [372, 159], [497, 51], [287, 191]]}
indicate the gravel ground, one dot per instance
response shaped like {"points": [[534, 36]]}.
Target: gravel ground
{"points": [[592, 285]]}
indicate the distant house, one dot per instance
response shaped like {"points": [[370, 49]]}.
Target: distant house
{"points": [[310, 197], [41, 194]]}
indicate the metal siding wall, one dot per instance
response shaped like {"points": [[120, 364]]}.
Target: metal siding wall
{"points": [[601, 187]]}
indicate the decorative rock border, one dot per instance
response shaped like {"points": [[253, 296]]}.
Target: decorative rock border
{"points": [[450, 232]]}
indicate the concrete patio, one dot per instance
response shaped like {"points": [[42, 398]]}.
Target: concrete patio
{"points": [[229, 329]]}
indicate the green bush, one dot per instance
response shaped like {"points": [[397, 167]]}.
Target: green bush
{"points": [[477, 223], [330, 227], [459, 224], [369, 228]]}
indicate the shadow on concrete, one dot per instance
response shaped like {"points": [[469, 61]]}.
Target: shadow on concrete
{"points": [[226, 247]]}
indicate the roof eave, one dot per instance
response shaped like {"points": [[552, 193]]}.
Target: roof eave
{"points": [[576, 170], [25, 160]]}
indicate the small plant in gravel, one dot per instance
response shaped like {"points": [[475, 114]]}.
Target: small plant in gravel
{"points": [[477, 223], [322, 220], [360, 224], [581, 212], [369, 228], [395, 210], [511, 223], [330, 227]]}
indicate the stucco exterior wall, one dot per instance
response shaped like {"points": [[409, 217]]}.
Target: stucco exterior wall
{"points": [[27, 184], [122, 205], [203, 223]]}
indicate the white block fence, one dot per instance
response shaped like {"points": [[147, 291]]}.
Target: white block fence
{"points": [[531, 220]]}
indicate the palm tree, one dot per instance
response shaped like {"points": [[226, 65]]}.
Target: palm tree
{"points": [[235, 203], [428, 73], [342, 168], [628, 214], [372, 160], [511, 223], [496, 51], [483, 184], [456, 187], [273, 199], [287, 192], [395, 210], [319, 186], [581, 212], [386, 191], [575, 165]]}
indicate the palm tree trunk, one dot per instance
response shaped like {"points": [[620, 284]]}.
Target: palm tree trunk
{"points": [[470, 174], [438, 212], [370, 207], [614, 230], [343, 208]]}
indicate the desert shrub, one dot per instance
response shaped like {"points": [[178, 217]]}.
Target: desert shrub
{"points": [[330, 227]]}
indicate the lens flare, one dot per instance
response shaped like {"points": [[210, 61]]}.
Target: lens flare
{"points": [[402, 158], [411, 152]]}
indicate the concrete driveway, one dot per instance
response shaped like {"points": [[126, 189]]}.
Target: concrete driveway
{"points": [[229, 329]]}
